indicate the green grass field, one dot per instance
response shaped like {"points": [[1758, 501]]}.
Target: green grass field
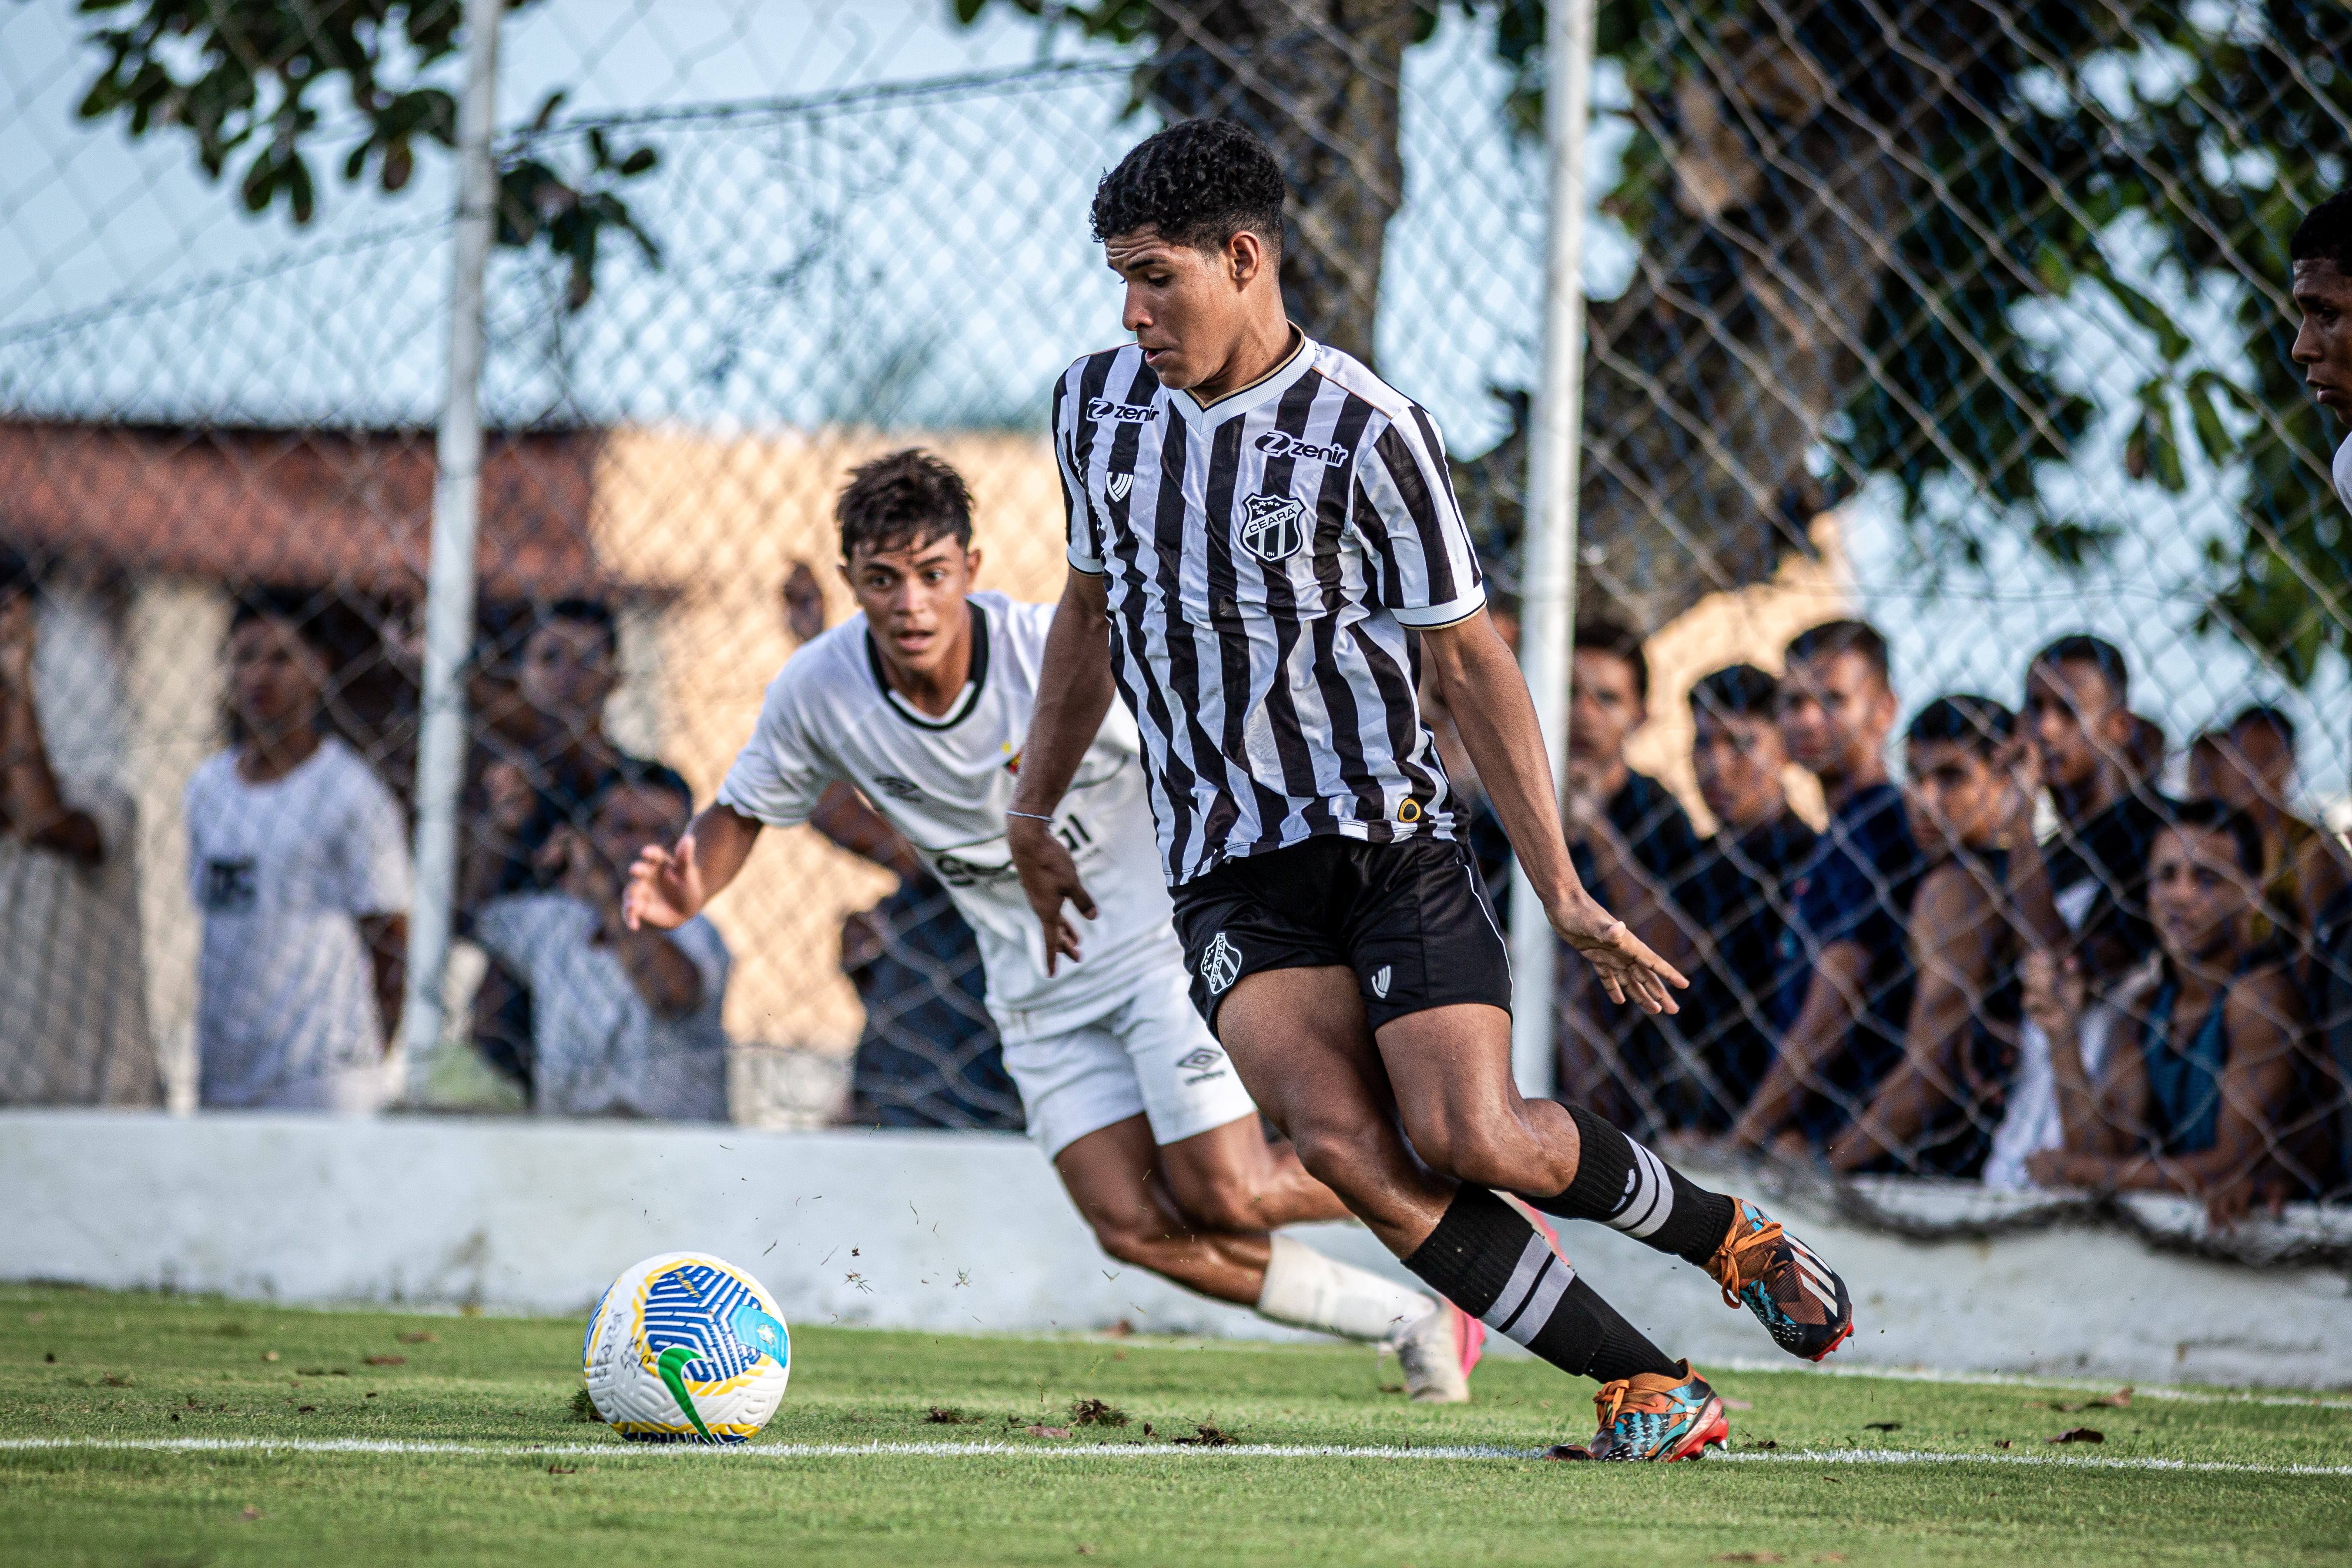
{"points": [[175, 1430]]}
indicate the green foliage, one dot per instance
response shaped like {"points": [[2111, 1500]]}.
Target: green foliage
{"points": [[243, 77], [2025, 171]]}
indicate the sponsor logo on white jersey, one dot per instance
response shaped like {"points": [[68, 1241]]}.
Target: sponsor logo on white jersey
{"points": [[959, 873], [1120, 413], [897, 788], [1220, 965], [1275, 444]]}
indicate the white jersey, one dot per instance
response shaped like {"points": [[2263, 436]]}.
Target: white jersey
{"points": [[944, 783], [2341, 470]]}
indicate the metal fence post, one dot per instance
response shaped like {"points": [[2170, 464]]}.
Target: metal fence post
{"points": [[456, 518], [1547, 587]]}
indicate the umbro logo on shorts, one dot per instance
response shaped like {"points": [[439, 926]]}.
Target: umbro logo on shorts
{"points": [[1275, 444], [1220, 965], [1203, 1062], [1122, 413], [1271, 529], [1120, 484]]}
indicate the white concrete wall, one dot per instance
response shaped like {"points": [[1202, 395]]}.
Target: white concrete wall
{"points": [[969, 1231]]}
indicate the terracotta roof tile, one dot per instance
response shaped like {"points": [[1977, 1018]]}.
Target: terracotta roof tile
{"points": [[347, 508]]}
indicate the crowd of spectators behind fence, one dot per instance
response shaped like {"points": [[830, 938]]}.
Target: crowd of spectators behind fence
{"points": [[2021, 960]]}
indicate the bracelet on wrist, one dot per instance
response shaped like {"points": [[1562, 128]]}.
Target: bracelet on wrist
{"points": [[1032, 816]]}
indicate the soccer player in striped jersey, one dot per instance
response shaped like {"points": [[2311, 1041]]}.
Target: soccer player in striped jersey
{"points": [[922, 703], [1264, 548]]}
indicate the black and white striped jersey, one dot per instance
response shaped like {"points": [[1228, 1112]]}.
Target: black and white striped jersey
{"points": [[1267, 559]]}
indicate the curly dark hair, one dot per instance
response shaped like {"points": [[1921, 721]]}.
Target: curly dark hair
{"points": [[907, 498], [1199, 182], [2326, 233], [1736, 688], [1964, 719]]}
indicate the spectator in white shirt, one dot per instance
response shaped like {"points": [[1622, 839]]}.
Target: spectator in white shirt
{"points": [[297, 859], [624, 1023]]}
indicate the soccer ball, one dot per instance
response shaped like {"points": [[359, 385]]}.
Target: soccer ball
{"points": [[685, 1348]]}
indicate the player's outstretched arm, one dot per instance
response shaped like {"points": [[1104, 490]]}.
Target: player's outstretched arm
{"points": [[1496, 720], [668, 886], [1073, 693]]}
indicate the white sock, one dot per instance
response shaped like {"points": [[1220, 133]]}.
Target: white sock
{"points": [[1308, 1290]]}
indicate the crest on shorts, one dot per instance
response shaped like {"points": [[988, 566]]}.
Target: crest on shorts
{"points": [[1272, 529], [1220, 965]]}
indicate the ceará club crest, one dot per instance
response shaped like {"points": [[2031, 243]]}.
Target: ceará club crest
{"points": [[1273, 527]]}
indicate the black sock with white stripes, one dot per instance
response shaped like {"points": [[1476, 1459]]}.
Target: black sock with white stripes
{"points": [[1486, 1259], [1625, 1186]]}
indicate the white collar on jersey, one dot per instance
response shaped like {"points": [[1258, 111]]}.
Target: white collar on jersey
{"points": [[1264, 390], [965, 700]]}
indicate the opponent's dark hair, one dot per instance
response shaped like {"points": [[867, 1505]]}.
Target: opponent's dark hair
{"points": [[1834, 638], [297, 607], [18, 574], [2216, 816], [907, 498], [1736, 688], [1619, 641], [584, 612], [2264, 717], [1199, 182], [2081, 648], [640, 772], [1963, 718], [2326, 233]]}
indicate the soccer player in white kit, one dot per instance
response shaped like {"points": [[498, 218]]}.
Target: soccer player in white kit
{"points": [[923, 703]]}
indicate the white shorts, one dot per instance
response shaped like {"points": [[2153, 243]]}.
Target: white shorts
{"points": [[1150, 1054]]}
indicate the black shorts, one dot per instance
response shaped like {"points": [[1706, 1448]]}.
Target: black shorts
{"points": [[1411, 919]]}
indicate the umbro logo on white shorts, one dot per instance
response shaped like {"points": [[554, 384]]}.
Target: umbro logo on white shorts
{"points": [[1220, 965], [1203, 1062]]}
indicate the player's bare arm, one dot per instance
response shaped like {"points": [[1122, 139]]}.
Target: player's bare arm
{"points": [[1073, 693], [670, 887], [1481, 683]]}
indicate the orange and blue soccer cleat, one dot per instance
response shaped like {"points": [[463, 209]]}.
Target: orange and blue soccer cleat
{"points": [[1784, 1282], [1655, 1417]]}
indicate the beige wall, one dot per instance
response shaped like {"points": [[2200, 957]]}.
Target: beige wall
{"points": [[1751, 626], [721, 523]]}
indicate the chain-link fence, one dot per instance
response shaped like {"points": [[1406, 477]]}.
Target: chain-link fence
{"points": [[1969, 322]]}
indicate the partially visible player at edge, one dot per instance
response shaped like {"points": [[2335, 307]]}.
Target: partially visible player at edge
{"points": [[1263, 546], [2321, 252], [921, 704]]}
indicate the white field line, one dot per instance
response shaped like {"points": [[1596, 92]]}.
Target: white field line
{"points": [[2186, 1393], [1110, 1452], [2173, 1392]]}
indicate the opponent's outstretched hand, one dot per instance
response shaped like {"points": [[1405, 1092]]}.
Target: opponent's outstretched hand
{"points": [[1050, 879], [1627, 967], [665, 888]]}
